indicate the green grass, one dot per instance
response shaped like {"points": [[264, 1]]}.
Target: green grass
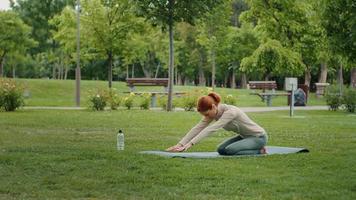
{"points": [[62, 93], [51, 154]]}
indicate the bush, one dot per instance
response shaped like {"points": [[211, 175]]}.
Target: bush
{"points": [[162, 102], [333, 97], [145, 101], [189, 100], [11, 96], [231, 100], [113, 99], [129, 100], [98, 99], [349, 99]]}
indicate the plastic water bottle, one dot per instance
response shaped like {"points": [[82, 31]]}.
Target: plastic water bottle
{"points": [[120, 141]]}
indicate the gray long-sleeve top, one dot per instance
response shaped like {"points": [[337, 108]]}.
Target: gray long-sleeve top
{"points": [[229, 117]]}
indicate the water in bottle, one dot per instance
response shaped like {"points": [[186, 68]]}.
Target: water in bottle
{"points": [[120, 141]]}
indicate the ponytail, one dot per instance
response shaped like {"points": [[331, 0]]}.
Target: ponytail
{"points": [[216, 97], [206, 102]]}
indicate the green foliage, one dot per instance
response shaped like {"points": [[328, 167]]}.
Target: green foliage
{"points": [[339, 22], [114, 99], [145, 101], [168, 12], [349, 99], [14, 35], [11, 96], [129, 101], [333, 97], [163, 99], [98, 99], [271, 58], [230, 100], [37, 14]]}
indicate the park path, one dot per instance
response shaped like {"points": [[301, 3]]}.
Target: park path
{"points": [[245, 109]]}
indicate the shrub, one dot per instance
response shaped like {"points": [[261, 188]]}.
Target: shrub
{"points": [[145, 101], [349, 99], [98, 99], [11, 96], [189, 100], [113, 99], [231, 100], [333, 97], [162, 102], [129, 100]]}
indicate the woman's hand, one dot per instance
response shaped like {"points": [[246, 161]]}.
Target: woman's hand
{"points": [[174, 148], [185, 147]]}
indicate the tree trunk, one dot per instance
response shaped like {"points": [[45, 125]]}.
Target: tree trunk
{"points": [[340, 78], [243, 81], [233, 76], [146, 72], [2, 63], [127, 71], [133, 70], [179, 79], [65, 72], [202, 80], [157, 69], [13, 72], [213, 69], [171, 58], [353, 77], [323, 73], [2, 68], [307, 76], [54, 71], [110, 59]]}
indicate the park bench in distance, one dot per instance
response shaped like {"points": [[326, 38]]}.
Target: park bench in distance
{"points": [[268, 90], [132, 82]]}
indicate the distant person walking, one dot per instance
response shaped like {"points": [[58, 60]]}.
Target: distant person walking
{"points": [[251, 138]]}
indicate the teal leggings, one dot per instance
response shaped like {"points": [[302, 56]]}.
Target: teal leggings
{"points": [[242, 146]]}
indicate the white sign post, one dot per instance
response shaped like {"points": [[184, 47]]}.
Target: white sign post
{"points": [[289, 85]]}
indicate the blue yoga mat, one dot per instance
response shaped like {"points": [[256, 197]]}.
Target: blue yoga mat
{"points": [[270, 151]]}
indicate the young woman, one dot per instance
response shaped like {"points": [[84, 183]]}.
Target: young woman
{"points": [[252, 138]]}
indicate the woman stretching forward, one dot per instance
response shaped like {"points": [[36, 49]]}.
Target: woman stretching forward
{"points": [[251, 139]]}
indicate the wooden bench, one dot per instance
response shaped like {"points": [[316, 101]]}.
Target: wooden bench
{"points": [[263, 85], [268, 90], [132, 82]]}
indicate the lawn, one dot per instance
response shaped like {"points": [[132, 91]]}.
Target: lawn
{"points": [[62, 93], [57, 154]]}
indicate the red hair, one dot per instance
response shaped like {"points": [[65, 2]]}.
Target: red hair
{"points": [[206, 102]]}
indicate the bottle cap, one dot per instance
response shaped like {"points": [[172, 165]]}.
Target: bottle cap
{"points": [[120, 131]]}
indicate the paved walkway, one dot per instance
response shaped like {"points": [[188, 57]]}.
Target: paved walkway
{"points": [[245, 109]]}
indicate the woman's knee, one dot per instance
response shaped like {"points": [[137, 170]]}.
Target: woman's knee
{"points": [[221, 150]]}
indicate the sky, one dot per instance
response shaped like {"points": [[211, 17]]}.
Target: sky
{"points": [[4, 4]]}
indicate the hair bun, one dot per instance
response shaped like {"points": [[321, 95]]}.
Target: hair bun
{"points": [[215, 96]]}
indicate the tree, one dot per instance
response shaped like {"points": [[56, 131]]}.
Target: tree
{"points": [[242, 42], [213, 32], [271, 58], [106, 27], [166, 13], [37, 13], [14, 36], [276, 22], [145, 47], [65, 34], [339, 19]]}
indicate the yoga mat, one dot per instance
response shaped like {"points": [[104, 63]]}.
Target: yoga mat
{"points": [[270, 151]]}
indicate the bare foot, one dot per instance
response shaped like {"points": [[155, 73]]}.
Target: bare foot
{"points": [[263, 150]]}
